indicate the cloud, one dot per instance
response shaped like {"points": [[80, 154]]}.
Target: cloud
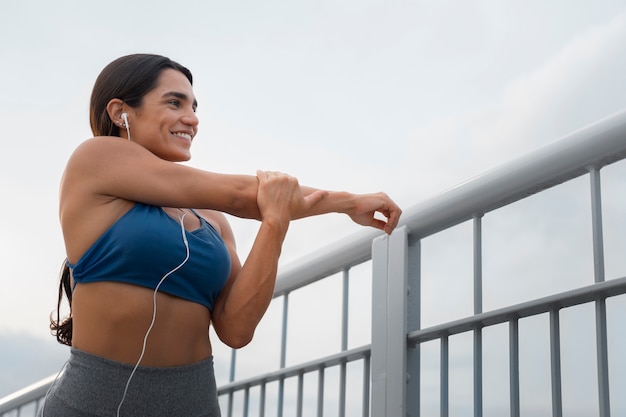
{"points": [[578, 86]]}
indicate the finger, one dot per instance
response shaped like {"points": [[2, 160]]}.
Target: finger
{"points": [[379, 224], [392, 219]]}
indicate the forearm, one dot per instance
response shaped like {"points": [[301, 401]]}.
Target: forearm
{"points": [[243, 190], [334, 202], [361, 208], [244, 302]]}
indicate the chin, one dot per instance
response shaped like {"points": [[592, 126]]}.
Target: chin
{"points": [[181, 158], [180, 155]]}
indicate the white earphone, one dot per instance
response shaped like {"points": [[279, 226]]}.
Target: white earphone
{"points": [[126, 124]]}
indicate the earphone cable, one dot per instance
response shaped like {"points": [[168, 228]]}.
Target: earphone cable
{"points": [[154, 311]]}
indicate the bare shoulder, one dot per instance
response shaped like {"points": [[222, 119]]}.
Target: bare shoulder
{"points": [[102, 148], [96, 143], [80, 177]]}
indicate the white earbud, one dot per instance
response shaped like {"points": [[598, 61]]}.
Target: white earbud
{"points": [[126, 124]]}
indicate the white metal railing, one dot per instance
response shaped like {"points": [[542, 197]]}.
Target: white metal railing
{"points": [[390, 365]]}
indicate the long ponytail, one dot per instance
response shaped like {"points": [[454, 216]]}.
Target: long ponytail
{"points": [[62, 328]]}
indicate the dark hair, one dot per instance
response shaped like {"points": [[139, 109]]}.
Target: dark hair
{"points": [[62, 329], [129, 79]]}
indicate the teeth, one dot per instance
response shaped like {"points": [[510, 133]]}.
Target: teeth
{"points": [[183, 135]]}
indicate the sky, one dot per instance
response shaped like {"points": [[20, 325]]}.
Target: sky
{"points": [[406, 97]]}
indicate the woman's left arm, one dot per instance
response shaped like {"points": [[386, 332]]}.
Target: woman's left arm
{"points": [[361, 208]]}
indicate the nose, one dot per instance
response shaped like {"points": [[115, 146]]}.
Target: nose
{"points": [[191, 119]]}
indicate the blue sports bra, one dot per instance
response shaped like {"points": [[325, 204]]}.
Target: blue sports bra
{"points": [[145, 244]]}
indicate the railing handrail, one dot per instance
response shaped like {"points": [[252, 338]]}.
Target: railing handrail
{"points": [[30, 393], [533, 307], [552, 164]]}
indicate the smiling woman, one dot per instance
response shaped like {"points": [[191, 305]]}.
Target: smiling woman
{"points": [[151, 259]]}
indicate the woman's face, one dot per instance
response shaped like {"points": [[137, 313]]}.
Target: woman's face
{"points": [[166, 121]]}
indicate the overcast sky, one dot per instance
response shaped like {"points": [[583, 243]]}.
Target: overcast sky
{"points": [[407, 97]]}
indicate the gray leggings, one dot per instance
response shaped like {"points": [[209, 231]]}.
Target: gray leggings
{"points": [[94, 386]]}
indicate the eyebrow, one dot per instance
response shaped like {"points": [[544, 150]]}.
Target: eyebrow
{"points": [[181, 96]]}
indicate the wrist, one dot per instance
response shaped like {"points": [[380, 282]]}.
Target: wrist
{"points": [[275, 226], [344, 201]]}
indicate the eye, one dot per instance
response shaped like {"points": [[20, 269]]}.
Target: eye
{"points": [[175, 103]]}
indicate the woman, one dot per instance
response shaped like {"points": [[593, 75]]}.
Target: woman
{"points": [[146, 275]]}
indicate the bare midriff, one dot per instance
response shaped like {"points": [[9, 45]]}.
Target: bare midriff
{"points": [[111, 319]]}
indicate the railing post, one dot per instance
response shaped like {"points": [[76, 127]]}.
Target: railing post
{"points": [[599, 276], [478, 309], [389, 329], [414, 322]]}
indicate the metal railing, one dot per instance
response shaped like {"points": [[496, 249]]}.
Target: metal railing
{"points": [[391, 365]]}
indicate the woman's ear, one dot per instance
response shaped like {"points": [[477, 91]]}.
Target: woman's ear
{"points": [[115, 108]]}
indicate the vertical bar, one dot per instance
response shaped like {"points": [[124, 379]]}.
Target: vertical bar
{"points": [[379, 327], [344, 341], [230, 404], [596, 220], [320, 393], [366, 386], [389, 317], [443, 378], [233, 361], [413, 359], [283, 338], [262, 400], [38, 405], [281, 396], [246, 401], [283, 354], [478, 309], [478, 372], [478, 265], [397, 267], [342, 389], [602, 358], [555, 364], [514, 367], [345, 309], [300, 394], [604, 401]]}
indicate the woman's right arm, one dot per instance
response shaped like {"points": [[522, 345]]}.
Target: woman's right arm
{"points": [[109, 167]]}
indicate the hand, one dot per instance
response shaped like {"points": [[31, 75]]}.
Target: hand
{"points": [[366, 206], [280, 197]]}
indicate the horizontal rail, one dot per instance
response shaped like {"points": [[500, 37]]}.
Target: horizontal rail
{"points": [[26, 395], [312, 366], [537, 306]]}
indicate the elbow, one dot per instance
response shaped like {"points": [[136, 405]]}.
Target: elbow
{"points": [[233, 335], [236, 341]]}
